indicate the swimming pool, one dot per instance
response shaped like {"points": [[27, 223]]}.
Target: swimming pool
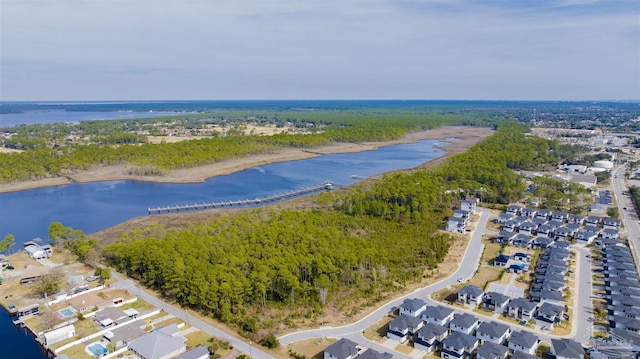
{"points": [[66, 312], [97, 349]]}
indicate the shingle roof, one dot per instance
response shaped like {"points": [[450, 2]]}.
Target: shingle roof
{"points": [[405, 321], [431, 330], [460, 340], [343, 348], [567, 348], [492, 329], [522, 303], [437, 312], [374, 354], [157, 344], [502, 258], [413, 304], [522, 355], [550, 310], [196, 353], [523, 339], [471, 290], [463, 320], [497, 298], [490, 350]]}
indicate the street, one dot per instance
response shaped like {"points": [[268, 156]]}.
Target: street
{"points": [[629, 217]]}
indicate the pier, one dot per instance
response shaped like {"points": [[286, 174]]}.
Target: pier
{"points": [[326, 186]]}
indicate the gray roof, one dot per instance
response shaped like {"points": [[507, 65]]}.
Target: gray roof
{"points": [[539, 221], [611, 221], [343, 348], [549, 294], [196, 353], [374, 354], [550, 310], [610, 231], [522, 303], [493, 329], [497, 298], [471, 290], [567, 348], [460, 340], [523, 339], [413, 304], [437, 312], [431, 330], [157, 344], [626, 335], [126, 333], [505, 216], [592, 229], [463, 320], [405, 321], [490, 350], [112, 313]]}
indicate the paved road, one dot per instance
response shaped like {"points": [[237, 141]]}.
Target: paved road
{"points": [[582, 301], [468, 265], [628, 216], [238, 344]]}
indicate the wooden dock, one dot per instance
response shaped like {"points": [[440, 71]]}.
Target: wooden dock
{"points": [[327, 186]]}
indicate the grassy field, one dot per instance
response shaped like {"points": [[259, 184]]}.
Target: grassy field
{"points": [[378, 331], [311, 348], [485, 275]]}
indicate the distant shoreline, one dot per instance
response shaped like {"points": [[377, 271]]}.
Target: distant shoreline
{"points": [[465, 137]]}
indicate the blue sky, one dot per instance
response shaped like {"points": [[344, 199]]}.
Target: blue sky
{"points": [[302, 49]]}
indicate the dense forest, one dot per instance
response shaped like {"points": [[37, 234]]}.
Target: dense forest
{"points": [[364, 242], [49, 152]]}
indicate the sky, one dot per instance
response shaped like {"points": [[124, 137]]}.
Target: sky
{"points": [[323, 49]]}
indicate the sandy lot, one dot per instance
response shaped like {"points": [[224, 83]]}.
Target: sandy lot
{"points": [[466, 136]]}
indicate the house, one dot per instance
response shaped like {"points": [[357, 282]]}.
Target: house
{"points": [[506, 237], [31, 309], [562, 233], [438, 315], [538, 221], [545, 230], [162, 343], [521, 355], [465, 323], [489, 350], [573, 228], [560, 216], [342, 349], [593, 220], [550, 285], [413, 307], [404, 327], [496, 302], [58, 335], [200, 352], [609, 233], [493, 332], [625, 338], [561, 244], [374, 354], [46, 248], [511, 225], [521, 308], [549, 277], [33, 273], [620, 300], [121, 336], [35, 252], [524, 342], [110, 316], [461, 213], [529, 212], [626, 323], [548, 296], [456, 224], [542, 242], [501, 260], [550, 313], [429, 338], [459, 346], [528, 227], [566, 349], [514, 210], [544, 214], [468, 205], [591, 229], [611, 223], [470, 294], [523, 241], [517, 268], [504, 217], [522, 257], [575, 219]]}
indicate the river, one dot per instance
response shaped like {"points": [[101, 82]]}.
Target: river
{"points": [[16, 342]]}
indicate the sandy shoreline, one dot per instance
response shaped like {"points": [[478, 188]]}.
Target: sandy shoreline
{"points": [[465, 137]]}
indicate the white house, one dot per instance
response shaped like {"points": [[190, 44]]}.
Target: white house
{"points": [[470, 294], [566, 349], [60, 334], [342, 349], [524, 342], [413, 307], [35, 252], [468, 205], [493, 332]]}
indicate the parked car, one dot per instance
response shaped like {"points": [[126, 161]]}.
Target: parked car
{"points": [[93, 278], [10, 267], [460, 279]]}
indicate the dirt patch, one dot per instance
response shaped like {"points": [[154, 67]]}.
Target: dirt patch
{"points": [[485, 275], [310, 348]]}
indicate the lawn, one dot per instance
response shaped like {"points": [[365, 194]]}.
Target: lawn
{"points": [[490, 251], [485, 275], [197, 338], [77, 352], [311, 348], [404, 348], [379, 330]]}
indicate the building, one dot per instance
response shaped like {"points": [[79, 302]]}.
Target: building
{"points": [[404, 327], [123, 335], [196, 353], [468, 205], [437, 315], [489, 350], [496, 302], [459, 346], [521, 308], [162, 343], [501, 260], [457, 225], [429, 338], [566, 349], [32, 274], [58, 335], [524, 342], [413, 307], [110, 316], [342, 349], [374, 354], [470, 294], [493, 332], [464, 323]]}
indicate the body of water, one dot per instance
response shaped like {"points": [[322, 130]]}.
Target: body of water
{"points": [[16, 342], [52, 116], [92, 207]]}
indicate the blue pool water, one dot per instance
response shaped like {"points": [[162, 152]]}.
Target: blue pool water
{"points": [[97, 349], [66, 312]]}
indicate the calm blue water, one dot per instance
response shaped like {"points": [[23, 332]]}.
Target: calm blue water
{"points": [[51, 116], [95, 206], [17, 342]]}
